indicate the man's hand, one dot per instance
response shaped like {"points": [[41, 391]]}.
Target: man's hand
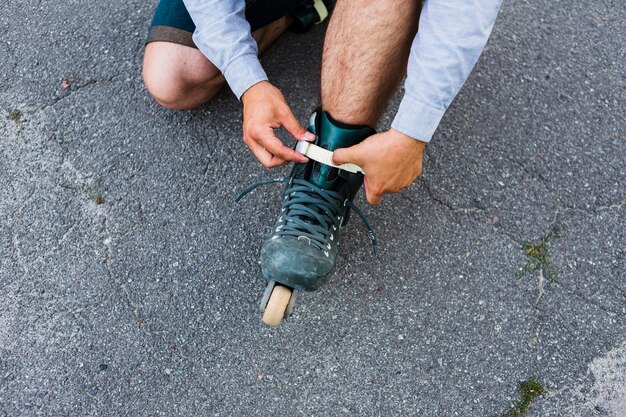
{"points": [[265, 109], [391, 161]]}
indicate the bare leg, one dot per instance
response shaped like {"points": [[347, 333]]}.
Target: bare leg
{"points": [[365, 56], [180, 77]]}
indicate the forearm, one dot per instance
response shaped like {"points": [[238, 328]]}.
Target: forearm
{"points": [[452, 35], [223, 36]]}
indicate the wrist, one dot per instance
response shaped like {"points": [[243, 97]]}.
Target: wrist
{"points": [[408, 140], [254, 90]]}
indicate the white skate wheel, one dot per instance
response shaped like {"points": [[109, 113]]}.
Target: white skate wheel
{"points": [[276, 307]]}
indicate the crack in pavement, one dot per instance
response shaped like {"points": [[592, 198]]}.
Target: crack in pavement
{"points": [[592, 302], [449, 206], [538, 313], [594, 210], [18, 253], [88, 83]]}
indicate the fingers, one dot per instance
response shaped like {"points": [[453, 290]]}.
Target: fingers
{"points": [[375, 192], [269, 150], [353, 154], [357, 154], [271, 143], [264, 110], [263, 155], [374, 197], [291, 125]]}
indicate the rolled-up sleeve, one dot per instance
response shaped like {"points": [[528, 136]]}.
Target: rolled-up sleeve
{"points": [[452, 34], [223, 35]]}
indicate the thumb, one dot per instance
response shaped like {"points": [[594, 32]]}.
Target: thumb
{"points": [[291, 124], [353, 154]]}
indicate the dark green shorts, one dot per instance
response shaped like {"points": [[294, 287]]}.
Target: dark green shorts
{"points": [[172, 23]]}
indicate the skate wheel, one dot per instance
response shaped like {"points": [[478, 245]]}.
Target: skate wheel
{"points": [[276, 307]]}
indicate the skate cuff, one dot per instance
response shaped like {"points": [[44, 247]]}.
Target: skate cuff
{"points": [[324, 156]]}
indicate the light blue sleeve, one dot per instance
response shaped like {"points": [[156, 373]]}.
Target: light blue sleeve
{"points": [[452, 34], [223, 36]]}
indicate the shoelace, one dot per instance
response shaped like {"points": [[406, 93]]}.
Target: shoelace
{"points": [[306, 201]]}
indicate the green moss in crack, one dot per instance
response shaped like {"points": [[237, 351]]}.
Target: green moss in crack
{"points": [[529, 390], [539, 256], [15, 115]]}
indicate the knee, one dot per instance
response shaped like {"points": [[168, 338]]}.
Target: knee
{"points": [[171, 88], [166, 87], [165, 90]]}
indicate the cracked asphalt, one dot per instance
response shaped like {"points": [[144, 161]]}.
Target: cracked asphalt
{"points": [[129, 278]]}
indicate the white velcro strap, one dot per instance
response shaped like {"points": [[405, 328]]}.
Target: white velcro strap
{"points": [[324, 156], [321, 10]]}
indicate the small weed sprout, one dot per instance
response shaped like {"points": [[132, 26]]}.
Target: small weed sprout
{"points": [[529, 390], [539, 257], [15, 115]]}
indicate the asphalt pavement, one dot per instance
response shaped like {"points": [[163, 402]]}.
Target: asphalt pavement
{"points": [[129, 277]]}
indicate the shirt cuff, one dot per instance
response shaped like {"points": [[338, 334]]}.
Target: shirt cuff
{"points": [[416, 119], [243, 72]]}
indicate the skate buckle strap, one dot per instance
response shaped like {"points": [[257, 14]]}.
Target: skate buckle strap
{"points": [[324, 156], [321, 10]]}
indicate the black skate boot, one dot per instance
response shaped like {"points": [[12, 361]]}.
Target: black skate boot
{"points": [[311, 13], [301, 251]]}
